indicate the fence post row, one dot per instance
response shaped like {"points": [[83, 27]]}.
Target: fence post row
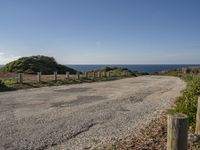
{"points": [[177, 131], [39, 74], [86, 75], [55, 76]]}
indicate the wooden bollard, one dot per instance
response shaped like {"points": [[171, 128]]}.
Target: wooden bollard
{"points": [[39, 74], [20, 78], [93, 74], [124, 73], [86, 75], [67, 75], [98, 74], [104, 74], [177, 131], [78, 76], [108, 74], [197, 129], [55, 76]]}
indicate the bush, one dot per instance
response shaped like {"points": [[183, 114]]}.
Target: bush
{"points": [[3, 87], [187, 103], [34, 64]]}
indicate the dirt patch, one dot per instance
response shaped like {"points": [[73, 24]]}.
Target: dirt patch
{"points": [[152, 137]]}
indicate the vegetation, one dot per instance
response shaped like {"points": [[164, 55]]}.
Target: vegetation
{"points": [[116, 71], [4, 87], [187, 103], [34, 64]]}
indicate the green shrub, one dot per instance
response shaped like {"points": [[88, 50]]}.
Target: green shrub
{"points": [[34, 64], [187, 103]]}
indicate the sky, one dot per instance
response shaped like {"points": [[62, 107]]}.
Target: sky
{"points": [[101, 31]]}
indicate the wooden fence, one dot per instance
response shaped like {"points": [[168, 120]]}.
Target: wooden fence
{"points": [[39, 77]]}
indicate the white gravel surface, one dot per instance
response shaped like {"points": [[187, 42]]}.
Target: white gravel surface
{"points": [[80, 116]]}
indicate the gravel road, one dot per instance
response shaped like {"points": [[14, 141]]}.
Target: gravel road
{"points": [[78, 116]]}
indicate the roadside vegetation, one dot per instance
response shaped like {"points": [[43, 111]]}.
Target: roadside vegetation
{"points": [[187, 103]]}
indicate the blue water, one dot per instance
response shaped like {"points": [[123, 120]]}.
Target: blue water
{"points": [[139, 68]]}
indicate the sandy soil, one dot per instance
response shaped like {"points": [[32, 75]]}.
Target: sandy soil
{"points": [[81, 116]]}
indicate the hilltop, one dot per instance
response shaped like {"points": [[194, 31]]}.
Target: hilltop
{"points": [[34, 64]]}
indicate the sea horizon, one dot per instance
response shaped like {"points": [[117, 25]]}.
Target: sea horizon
{"points": [[143, 68], [147, 68]]}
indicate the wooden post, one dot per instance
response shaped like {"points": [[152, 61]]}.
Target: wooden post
{"points": [[20, 78], [86, 75], [93, 75], [67, 75], [55, 76], [197, 130], [124, 73], [98, 74], [177, 131], [39, 74], [104, 74], [108, 74], [78, 76]]}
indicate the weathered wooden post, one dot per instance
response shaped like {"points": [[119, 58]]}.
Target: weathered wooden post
{"points": [[98, 74], [197, 130], [20, 78], [86, 75], [39, 74], [177, 131], [108, 74], [55, 76], [67, 75], [124, 73], [127, 74], [93, 75], [104, 74], [77, 75]]}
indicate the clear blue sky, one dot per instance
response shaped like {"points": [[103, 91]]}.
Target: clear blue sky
{"points": [[102, 31]]}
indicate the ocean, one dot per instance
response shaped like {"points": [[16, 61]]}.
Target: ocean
{"points": [[139, 68]]}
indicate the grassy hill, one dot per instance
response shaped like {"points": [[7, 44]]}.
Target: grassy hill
{"points": [[34, 64]]}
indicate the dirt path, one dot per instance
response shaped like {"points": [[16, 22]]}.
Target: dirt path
{"points": [[78, 116]]}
